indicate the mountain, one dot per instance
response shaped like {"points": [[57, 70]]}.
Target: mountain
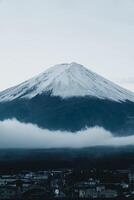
{"points": [[65, 81], [70, 97]]}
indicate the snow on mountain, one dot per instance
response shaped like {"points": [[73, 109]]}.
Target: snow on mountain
{"points": [[68, 80]]}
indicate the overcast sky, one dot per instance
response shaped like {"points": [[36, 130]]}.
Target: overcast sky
{"points": [[36, 34]]}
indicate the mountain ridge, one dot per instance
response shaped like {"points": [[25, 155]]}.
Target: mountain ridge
{"points": [[66, 81], [89, 100]]}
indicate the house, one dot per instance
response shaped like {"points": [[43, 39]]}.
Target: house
{"points": [[7, 179], [85, 190], [93, 190]]}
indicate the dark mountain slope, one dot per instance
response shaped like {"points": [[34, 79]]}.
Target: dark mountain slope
{"points": [[71, 114]]}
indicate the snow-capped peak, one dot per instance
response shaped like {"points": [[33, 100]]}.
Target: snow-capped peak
{"points": [[68, 80]]}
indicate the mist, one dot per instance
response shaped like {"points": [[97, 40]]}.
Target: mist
{"points": [[14, 134]]}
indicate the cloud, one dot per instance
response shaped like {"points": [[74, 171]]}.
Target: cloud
{"points": [[14, 134]]}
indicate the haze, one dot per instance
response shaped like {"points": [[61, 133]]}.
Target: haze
{"points": [[14, 134], [36, 34]]}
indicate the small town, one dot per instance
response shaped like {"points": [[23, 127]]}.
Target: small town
{"points": [[67, 184]]}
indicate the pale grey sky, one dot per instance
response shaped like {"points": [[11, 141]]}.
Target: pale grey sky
{"points": [[36, 34]]}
